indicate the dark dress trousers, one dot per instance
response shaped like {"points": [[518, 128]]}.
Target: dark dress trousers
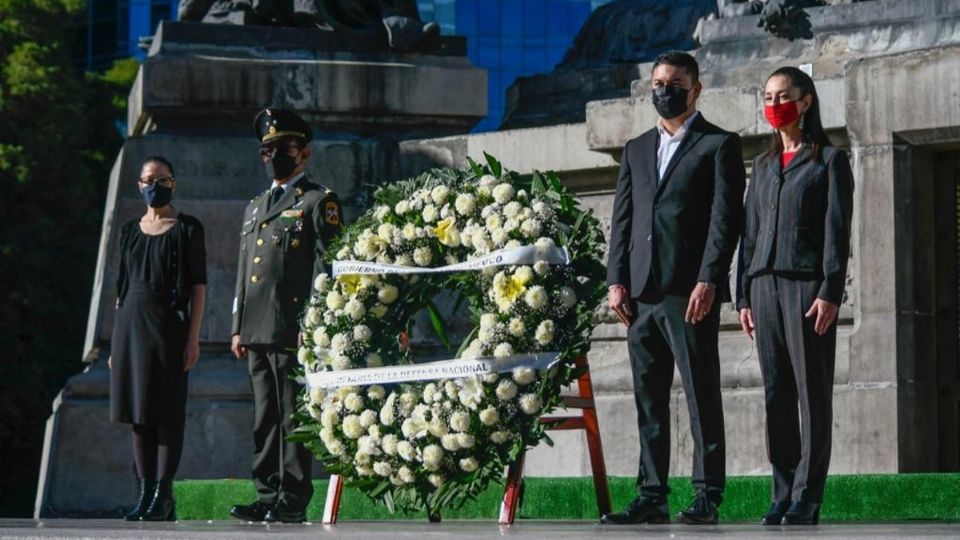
{"points": [[795, 247], [281, 251], [666, 235]]}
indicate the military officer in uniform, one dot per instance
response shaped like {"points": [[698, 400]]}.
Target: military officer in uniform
{"points": [[284, 235]]}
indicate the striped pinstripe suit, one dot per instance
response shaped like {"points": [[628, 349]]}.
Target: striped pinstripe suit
{"points": [[794, 249]]}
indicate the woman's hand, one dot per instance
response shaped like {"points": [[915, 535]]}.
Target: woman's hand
{"points": [[825, 314], [191, 355], [746, 321]]}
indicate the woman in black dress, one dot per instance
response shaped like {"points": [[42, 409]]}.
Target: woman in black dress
{"points": [[792, 272], [161, 287]]}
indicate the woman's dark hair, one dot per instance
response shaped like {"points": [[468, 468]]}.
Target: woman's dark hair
{"points": [[679, 59], [161, 160], [813, 133]]}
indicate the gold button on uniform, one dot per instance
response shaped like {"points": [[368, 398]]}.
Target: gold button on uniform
{"points": [[263, 225], [294, 243], [259, 241], [257, 260], [254, 279]]}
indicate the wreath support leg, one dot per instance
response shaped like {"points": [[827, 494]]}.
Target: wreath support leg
{"points": [[331, 507], [587, 422]]}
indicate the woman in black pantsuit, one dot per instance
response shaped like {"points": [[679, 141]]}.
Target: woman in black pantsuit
{"points": [[791, 275], [160, 296]]}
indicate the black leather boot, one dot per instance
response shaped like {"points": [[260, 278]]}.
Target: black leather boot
{"points": [[774, 515], [163, 507], [147, 489]]}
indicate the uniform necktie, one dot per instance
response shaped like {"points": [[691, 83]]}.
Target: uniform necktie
{"points": [[275, 195]]}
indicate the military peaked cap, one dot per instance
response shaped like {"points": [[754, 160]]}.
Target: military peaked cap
{"points": [[280, 124]]}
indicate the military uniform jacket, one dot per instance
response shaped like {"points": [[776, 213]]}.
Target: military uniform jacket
{"points": [[281, 252]]}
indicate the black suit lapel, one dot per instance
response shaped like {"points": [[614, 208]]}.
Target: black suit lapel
{"points": [[648, 153], [692, 137]]}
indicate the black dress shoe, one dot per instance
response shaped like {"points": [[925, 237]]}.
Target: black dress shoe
{"points": [[774, 515], [250, 512], [640, 510], [284, 514], [702, 511], [802, 513]]}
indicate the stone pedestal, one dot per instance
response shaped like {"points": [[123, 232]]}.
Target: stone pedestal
{"points": [[193, 102]]}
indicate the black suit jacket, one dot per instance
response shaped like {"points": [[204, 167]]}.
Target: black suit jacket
{"points": [[798, 221], [685, 228]]}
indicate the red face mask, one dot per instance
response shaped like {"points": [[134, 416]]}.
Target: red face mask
{"points": [[781, 114]]}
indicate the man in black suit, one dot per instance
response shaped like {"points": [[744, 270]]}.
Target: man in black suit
{"points": [[676, 220]]}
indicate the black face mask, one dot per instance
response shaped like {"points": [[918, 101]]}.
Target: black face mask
{"points": [[670, 101], [157, 196], [280, 166]]}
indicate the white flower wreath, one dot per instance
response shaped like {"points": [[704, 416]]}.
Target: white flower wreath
{"points": [[432, 444]]}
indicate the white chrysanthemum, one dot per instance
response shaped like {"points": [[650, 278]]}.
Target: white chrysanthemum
{"points": [[335, 447], [386, 231], [381, 212], [407, 401], [334, 300], [368, 418], [543, 210], [432, 456], [422, 256], [388, 294], [389, 444], [511, 209], [465, 204], [499, 237], [364, 470], [376, 392], [317, 395], [340, 342], [344, 253], [437, 427], [404, 260], [460, 421], [488, 180], [523, 275], [353, 403], [465, 440], [429, 392], [516, 327], [451, 390], [374, 360], [401, 207], [491, 378], [368, 445], [500, 437], [536, 297], [450, 442], [387, 415], [488, 320], [405, 475], [487, 334], [383, 468], [530, 228], [314, 316], [502, 350], [339, 362], [440, 195], [493, 222], [430, 213], [544, 243], [406, 451], [524, 376], [373, 431], [541, 267], [503, 193], [568, 297], [362, 333], [544, 333], [321, 283], [469, 464], [489, 416], [414, 428], [329, 418], [328, 434], [506, 390], [529, 403], [352, 427], [436, 480]]}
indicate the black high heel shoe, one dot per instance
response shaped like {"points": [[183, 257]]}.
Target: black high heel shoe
{"points": [[163, 507], [147, 489], [774, 515], [802, 513]]}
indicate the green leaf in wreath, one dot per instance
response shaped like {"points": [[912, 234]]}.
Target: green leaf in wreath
{"points": [[495, 168], [439, 326]]}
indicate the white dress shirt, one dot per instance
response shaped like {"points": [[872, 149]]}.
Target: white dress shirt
{"points": [[289, 183], [669, 143]]}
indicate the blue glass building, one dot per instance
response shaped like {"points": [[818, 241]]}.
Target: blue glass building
{"points": [[510, 38]]}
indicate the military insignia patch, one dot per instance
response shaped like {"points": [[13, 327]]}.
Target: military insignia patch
{"points": [[332, 213]]}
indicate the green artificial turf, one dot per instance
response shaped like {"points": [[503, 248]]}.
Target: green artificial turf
{"points": [[895, 497]]}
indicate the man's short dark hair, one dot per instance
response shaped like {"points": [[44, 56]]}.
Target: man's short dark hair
{"points": [[680, 59]]}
